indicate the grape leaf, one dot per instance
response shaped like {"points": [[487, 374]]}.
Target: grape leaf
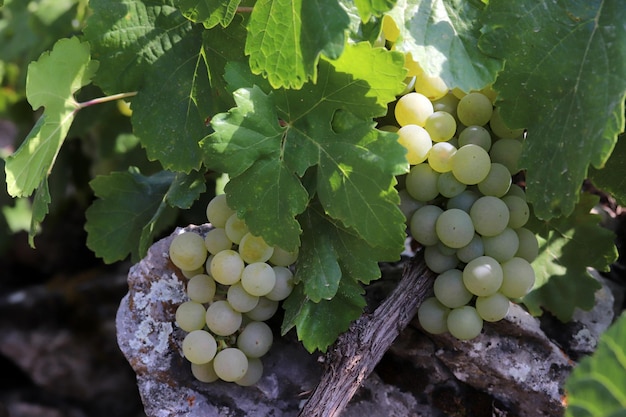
{"points": [[209, 12], [52, 81], [319, 324], [442, 36], [367, 8], [612, 178], [567, 247], [595, 388], [286, 38], [40, 209], [131, 208], [565, 81]]}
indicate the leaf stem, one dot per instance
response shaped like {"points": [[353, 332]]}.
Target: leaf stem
{"points": [[106, 99], [244, 9]]}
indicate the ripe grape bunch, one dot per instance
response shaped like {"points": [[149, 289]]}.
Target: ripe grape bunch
{"points": [[462, 207], [235, 283]]}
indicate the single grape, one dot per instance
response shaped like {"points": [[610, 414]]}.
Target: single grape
{"points": [[258, 278], [449, 186], [490, 215], [464, 201], [493, 307], [199, 346], [454, 228], [528, 245], [253, 374], [217, 211], [433, 87], [192, 273], [227, 267], [432, 316], [239, 299], [222, 319], [517, 191], [413, 109], [507, 152], [230, 364], [265, 310], [445, 250], [447, 103], [482, 276], [187, 251], [422, 225], [281, 257], [284, 284], [497, 182], [417, 142], [421, 182], [190, 316], [408, 205], [216, 240], [450, 290], [500, 129], [474, 109], [437, 261], [518, 278], [471, 164], [519, 212], [204, 372], [502, 246], [254, 249], [235, 228], [440, 157], [472, 250], [464, 323], [255, 340], [201, 288], [441, 126], [475, 135]]}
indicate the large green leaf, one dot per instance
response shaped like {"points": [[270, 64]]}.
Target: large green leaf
{"points": [[568, 246], [52, 81], [565, 81], [597, 386], [131, 208], [612, 178], [442, 36], [286, 38], [209, 12]]}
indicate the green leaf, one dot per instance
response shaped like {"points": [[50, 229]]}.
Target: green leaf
{"points": [[286, 38], [41, 202], [319, 324], [595, 388], [367, 8], [442, 36], [132, 208], [565, 81], [567, 247], [209, 12], [52, 81], [612, 178]]}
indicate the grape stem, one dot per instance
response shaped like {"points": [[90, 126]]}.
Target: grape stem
{"points": [[244, 9], [105, 99], [355, 354]]}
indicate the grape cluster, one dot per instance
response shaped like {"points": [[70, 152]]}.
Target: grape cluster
{"points": [[236, 281], [462, 206]]}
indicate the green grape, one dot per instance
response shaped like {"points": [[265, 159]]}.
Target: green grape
{"points": [[502, 246], [471, 164], [472, 250], [454, 228], [421, 182], [519, 212], [284, 284], [239, 299], [230, 364], [441, 126], [447, 103], [433, 87], [464, 201], [482, 276], [408, 205], [217, 211], [192, 273], [187, 251], [497, 182], [437, 261], [216, 240], [199, 346], [258, 278], [204, 372], [518, 278], [474, 109], [201, 288], [517, 191], [265, 310], [255, 340], [254, 249], [190, 316], [226, 267], [490, 215], [422, 225], [507, 152], [449, 186], [432, 316], [440, 157], [500, 129], [253, 374], [413, 109], [445, 250], [236, 228], [417, 142], [464, 323], [475, 135], [528, 245], [221, 319], [450, 290], [281, 257], [492, 308]]}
